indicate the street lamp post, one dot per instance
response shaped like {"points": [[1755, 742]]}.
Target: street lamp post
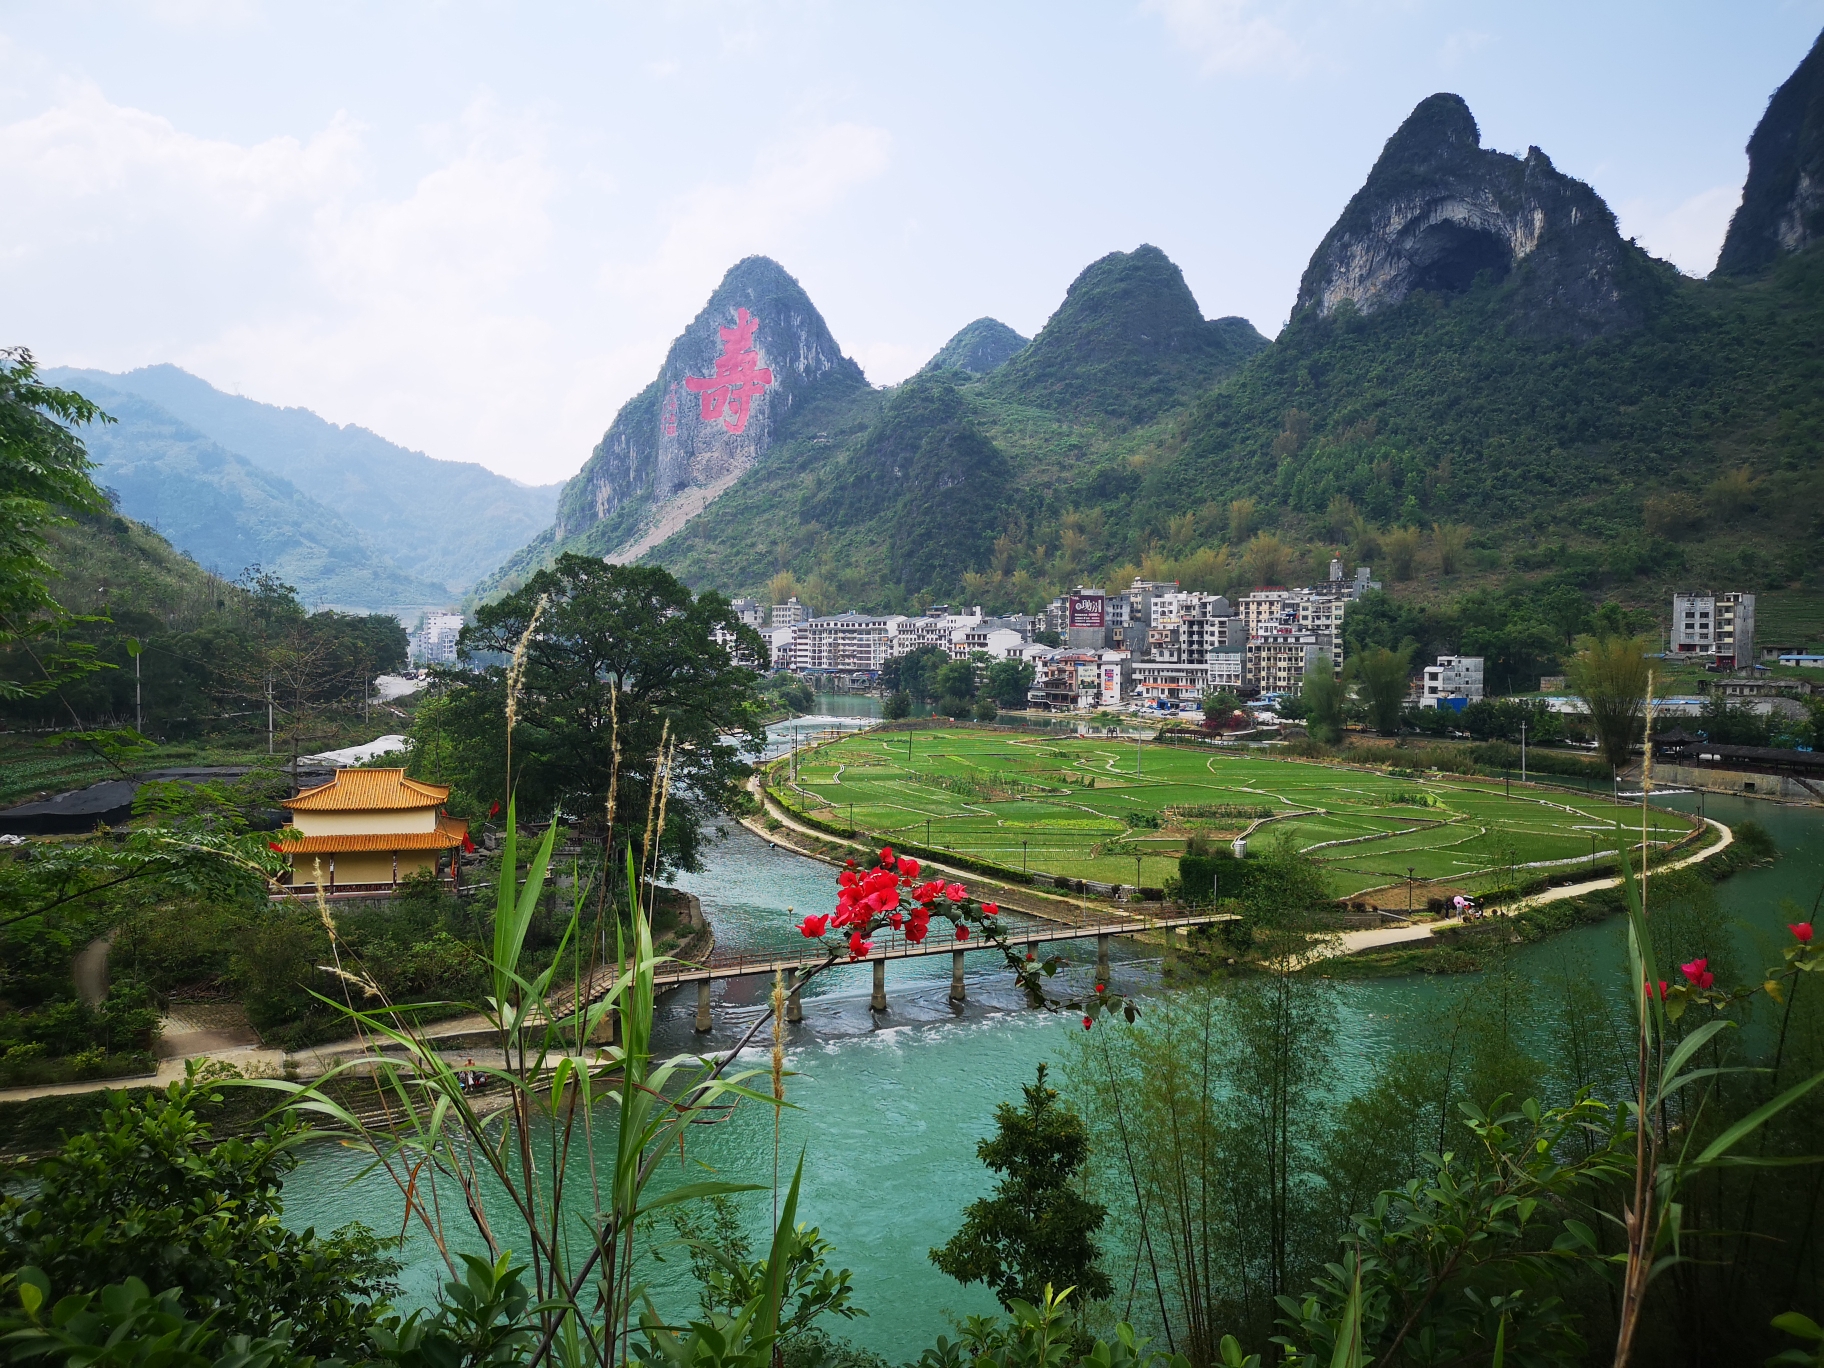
{"points": [[1024, 867], [1523, 752], [1409, 873]]}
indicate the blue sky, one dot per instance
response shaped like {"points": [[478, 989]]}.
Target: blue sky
{"points": [[475, 228]]}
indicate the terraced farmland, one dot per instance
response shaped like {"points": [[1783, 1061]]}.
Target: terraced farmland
{"points": [[1079, 808]]}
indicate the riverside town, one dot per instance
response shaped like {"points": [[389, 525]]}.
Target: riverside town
{"points": [[593, 776]]}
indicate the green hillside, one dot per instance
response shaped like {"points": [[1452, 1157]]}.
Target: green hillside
{"points": [[445, 522]]}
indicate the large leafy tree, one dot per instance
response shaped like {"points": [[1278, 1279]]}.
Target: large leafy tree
{"points": [[1038, 1229], [1383, 677], [619, 652], [44, 475]]}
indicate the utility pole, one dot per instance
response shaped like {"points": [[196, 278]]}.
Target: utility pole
{"points": [[1410, 869], [134, 647], [269, 712], [1523, 752], [1137, 757]]}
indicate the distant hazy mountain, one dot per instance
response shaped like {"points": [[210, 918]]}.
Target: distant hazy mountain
{"points": [[227, 513], [445, 522]]}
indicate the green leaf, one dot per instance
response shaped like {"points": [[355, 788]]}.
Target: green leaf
{"points": [[1793, 1323], [1756, 1119], [691, 1192]]}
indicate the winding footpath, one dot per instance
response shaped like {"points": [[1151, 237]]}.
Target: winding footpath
{"points": [[1379, 938]]}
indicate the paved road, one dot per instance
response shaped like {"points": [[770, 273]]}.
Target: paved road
{"points": [[1358, 942]]}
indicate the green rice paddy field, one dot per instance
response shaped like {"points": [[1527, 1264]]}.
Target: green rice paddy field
{"points": [[1078, 807]]}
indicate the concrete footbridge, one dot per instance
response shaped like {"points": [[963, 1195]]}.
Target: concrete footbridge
{"points": [[796, 968]]}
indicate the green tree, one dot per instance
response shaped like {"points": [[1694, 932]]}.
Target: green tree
{"points": [[44, 475], [151, 1194], [1324, 702], [915, 672], [897, 707], [619, 650], [1008, 681], [1610, 675], [1383, 677], [1037, 1231]]}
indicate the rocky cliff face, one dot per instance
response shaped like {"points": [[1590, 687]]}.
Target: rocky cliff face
{"points": [[1128, 343], [756, 355], [985, 345], [1439, 210], [1782, 206]]}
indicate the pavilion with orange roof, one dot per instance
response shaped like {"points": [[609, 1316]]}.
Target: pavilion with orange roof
{"points": [[368, 828]]}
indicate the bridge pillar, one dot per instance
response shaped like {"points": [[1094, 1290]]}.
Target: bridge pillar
{"points": [[605, 1028], [794, 1007], [957, 992], [703, 1017], [878, 1003], [1102, 959]]}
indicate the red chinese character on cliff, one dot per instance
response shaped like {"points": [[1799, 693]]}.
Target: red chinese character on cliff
{"points": [[739, 376], [671, 411]]}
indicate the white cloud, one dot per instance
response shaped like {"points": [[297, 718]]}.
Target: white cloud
{"points": [[713, 225], [1689, 235], [1228, 35], [85, 148]]}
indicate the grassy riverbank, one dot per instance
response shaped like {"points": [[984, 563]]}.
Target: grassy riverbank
{"points": [[1116, 811]]}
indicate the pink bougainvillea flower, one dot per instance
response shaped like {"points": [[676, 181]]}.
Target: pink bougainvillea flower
{"points": [[1101, 987], [1801, 931], [897, 920], [1662, 989], [962, 932], [915, 931], [908, 866], [1087, 1023], [927, 891], [857, 946], [1030, 957], [886, 856], [1698, 971], [991, 909], [955, 892], [814, 926]]}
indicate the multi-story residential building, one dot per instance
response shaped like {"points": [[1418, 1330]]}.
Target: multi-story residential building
{"points": [[937, 627], [1001, 643], [1311, 610], [436, 641], [1229, 667], [1281, 652], [1453, 677], [1716, 625], [790, 613], [849, 643], [1171, 682], [779, 645], [750, 612], [1067, 680], [1086, 623]]}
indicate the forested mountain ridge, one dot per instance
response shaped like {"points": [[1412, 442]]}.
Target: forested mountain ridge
{"points": [[228, 513], [443, 522], [1481, 383], [735, 383]]}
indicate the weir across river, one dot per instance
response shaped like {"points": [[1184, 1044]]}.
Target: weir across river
{"points": [[797, 968]]}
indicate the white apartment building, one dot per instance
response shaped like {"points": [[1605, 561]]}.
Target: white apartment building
{"points": [[1718, 625], [1281, 652], [937, 628], [1452, 677], [1001, 643], [436, 640], [750, 612], [790, 613], [849, 642], [781, 653], [1310, 610], [1171, 682]]}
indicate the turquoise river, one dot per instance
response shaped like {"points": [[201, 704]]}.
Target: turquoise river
{"points": [[888, 1110]]}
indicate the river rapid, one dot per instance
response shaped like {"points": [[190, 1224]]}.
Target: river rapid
{"points": [[887, 1110]]}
